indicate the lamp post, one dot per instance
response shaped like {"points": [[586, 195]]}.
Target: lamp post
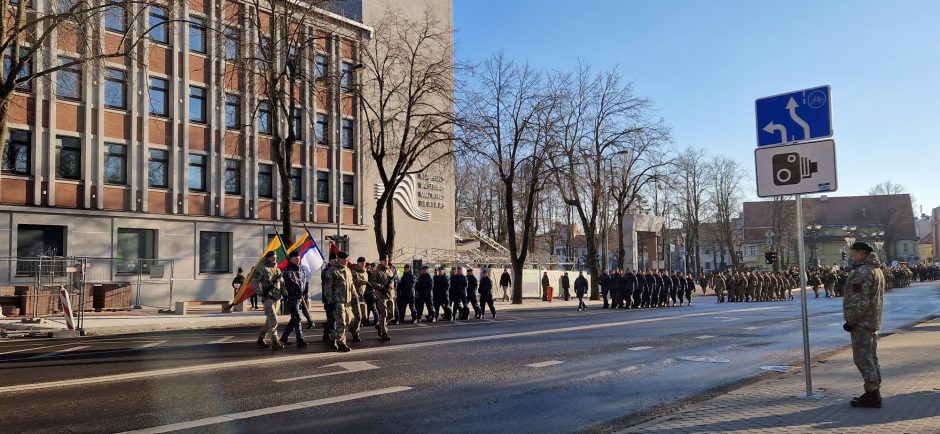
{"points": [[849, 239], [815, 230]]}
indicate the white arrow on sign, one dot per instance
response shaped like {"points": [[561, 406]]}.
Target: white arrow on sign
{"points": [[347, 368], [791, 106], [772, 127]]}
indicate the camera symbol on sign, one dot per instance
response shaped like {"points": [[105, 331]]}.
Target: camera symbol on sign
{"points": [[790, 168]]}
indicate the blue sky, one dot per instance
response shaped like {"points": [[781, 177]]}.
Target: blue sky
{"points": [[705, 62]]}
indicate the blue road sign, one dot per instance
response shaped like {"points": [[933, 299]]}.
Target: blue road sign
{"points": [[794, 117]]}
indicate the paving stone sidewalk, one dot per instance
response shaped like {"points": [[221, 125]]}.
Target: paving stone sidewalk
{"points": [[910, 367]]}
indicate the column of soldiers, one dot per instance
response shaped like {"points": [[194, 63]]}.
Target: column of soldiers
{"points": [[646, 288], [750, 286]]}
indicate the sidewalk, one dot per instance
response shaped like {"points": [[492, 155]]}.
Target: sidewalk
{"points": [[146, 320], [910, 396]]}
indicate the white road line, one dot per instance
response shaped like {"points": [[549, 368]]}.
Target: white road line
{"points": [[222, 340], [152, 344], [545, 363], [726, 318], [704, 337], [32, 348], [56, 353], [270, 410], [638, 348], [210, 367], [752, 328]]}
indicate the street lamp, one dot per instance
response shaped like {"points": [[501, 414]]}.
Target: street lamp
{"points": [[815, 230], [849, 240]]}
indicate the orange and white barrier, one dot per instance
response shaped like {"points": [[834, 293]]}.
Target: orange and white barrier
{"points": [[67, 307]]}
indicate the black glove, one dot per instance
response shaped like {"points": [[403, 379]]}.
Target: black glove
{"points": [[847, 327]]}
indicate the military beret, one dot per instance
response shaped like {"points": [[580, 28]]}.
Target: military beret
{"points": [[332, 255], [294, 254], [361, 259], [424, 267], [861, 245], [342, 255], [269, 255]]}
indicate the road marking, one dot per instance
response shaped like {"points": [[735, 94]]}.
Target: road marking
{"points": [[270, 410], [726, 318], [638, 348], [704, 359], [56, 353], [222, 340], [545, 363], [211, 367], [835, 324], [704, 337], [32, 348], [152, 344], [348, 368], [752, 328]]}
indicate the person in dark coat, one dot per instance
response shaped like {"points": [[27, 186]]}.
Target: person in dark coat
{"points": [[565, 287], [580, 288], [442, 295], [604, 282], [425, 297], [689, 288], [406, 295], [472, 293], [545, 285], [630, 287], [486, 294], [504, 281], [458, 294]]}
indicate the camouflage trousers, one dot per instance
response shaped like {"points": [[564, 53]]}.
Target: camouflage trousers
{"points": [[269, 330], [865, 355], [386, 308], [358, 309], [341, 314]]}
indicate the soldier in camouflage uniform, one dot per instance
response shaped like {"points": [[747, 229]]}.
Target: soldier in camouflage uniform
{"points": [[718, 284], [340, 293], [383, 286], [358, 303], [751, 289], [830, 281], [862, 306], [268, 283]]}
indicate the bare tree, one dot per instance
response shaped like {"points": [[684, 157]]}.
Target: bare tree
{"points": [[690, 174], [71, 33], [724, 193], [507, 118], [407, 100], [889, 188]]}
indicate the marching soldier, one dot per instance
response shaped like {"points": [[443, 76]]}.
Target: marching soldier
{"points": [[326, 274], [423, 290], [294, 287], [268, 281], [341, 292], [383, 286], [357, 304]]}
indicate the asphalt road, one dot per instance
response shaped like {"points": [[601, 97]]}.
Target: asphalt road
{"points": [[538, 370]]}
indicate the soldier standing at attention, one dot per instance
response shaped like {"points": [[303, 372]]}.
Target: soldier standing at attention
{"points": [[341, 291], [383, 285], [862, 306], [267, 281]]}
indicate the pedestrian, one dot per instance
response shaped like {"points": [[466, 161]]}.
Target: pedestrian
{"points": [[604, 282], [425, 298], [268, 282], [504, 281], [254, 293], [486, 294], [406, 295], [472, 301], [239, 280], [863, 307], [383, 286], [294, 289], [565, 287], [545, 284], [689, 288], [341, 290], [580, 288], [441, 293]]}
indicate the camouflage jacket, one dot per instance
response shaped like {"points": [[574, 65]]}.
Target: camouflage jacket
{"points": [[864, 289], [382, 282], [361, 281], [341, 284], [267, 282], [326, 278]]}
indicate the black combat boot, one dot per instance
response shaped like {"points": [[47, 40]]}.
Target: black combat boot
{"points": [[262, 343], [868, 400], [342, 348], [355, 337], [276, 345]]}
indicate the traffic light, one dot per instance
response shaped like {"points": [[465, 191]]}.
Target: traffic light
{"points": [[843, 256], [769, 258]]}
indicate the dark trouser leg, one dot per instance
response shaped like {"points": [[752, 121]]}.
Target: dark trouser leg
{"points": [[294, 324], [305, 311], [254, 301], [330, 325], [604, 295]]}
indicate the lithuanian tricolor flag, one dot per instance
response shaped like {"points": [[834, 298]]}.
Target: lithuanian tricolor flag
{"points": [[247, 290]]}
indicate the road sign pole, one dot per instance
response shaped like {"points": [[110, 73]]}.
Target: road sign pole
{"points": [[802, 255]]}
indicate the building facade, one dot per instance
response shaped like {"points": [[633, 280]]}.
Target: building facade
{"points": [[166, 154]]}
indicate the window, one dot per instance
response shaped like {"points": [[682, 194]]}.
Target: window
{"points": [[115, 163], [114, 17], [348, 137], [293, 59], [231, 43], [16, 153], [263, 46], [750, 250], [233, 176], [157, 24], [37, 240], [321, 65], [296, 187], [68, 81], [346, 78], [133, 245], [69, 164], [26, 67], [197, 172], [348, 190], [157, 170], [197, 104], [215, 252], [115, 88], [159, 97], [321, 129], [197, 35], [265, 180], [298, 123], [323, 187], [232, 111], [264, 117]]}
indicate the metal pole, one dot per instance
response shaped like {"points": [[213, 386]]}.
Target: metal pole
{"points": [[802, 256]]}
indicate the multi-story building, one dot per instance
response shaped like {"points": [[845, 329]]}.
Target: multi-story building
{"points": [[163, 155]]}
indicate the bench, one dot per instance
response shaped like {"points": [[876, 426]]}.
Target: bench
{"points": [[183, 307]]}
